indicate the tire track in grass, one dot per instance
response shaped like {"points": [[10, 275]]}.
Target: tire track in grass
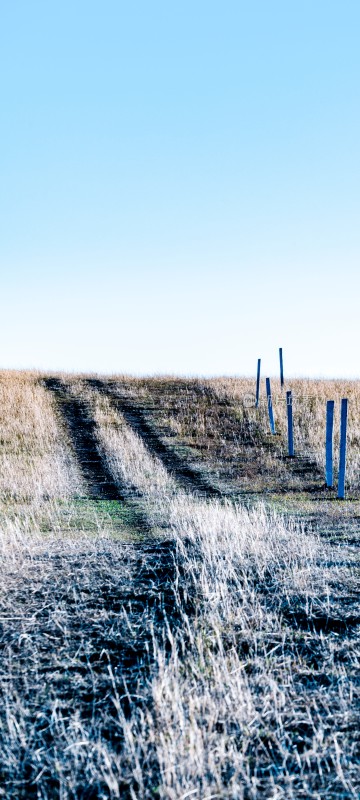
{"points": [[136, 417], [88, 624], [80, 425], [93, 466]]}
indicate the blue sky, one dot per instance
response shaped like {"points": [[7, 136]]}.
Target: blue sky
{"points": [[180, 186]]}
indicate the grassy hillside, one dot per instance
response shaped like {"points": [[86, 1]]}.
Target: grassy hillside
{"points": [[179, 599]]}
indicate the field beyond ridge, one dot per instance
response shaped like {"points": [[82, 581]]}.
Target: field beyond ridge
{"points": [[180, 610]]}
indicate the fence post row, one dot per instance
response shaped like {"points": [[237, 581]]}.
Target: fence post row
{"points": [[281, 367], [329, 442], [271, 414], [342, 460], [258, 383], [329, 471], [290, 423]]}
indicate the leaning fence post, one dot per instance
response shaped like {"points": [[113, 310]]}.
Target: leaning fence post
{"points": [[271, 414], [329, 442], [281, 367], [290, 423], [258, 382], [342, 460]]}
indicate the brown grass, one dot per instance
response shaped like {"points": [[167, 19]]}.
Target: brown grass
{"points": [[36, 464]]}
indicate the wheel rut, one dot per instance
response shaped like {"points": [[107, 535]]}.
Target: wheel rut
{"points": [[137, 418], [80, 426], [112, 598]]}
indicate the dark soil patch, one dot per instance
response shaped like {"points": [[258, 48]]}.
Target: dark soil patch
{"points": [[76, 644]]}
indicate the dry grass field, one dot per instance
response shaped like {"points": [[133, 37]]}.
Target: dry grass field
{"points": [[179, 600]]}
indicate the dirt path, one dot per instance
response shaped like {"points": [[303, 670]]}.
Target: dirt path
{"points": [[139, 419], [77, 621], [80, 427]]}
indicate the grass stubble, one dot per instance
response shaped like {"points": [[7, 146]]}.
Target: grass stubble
{"points": [[216, 658]]}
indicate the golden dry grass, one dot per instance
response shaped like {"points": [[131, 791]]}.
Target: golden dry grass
{"points": [[35, 461]]}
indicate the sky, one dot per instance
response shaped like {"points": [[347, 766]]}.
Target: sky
{"points": [[180, 186]]}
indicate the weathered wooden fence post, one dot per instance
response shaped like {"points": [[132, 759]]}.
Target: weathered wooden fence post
{"points": [[281, 367], [258, 382], [329, 442], [290, 423], [269, 401], [342, 460]]}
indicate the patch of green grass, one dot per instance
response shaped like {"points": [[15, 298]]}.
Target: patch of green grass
{"points": [[90, 515]]}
